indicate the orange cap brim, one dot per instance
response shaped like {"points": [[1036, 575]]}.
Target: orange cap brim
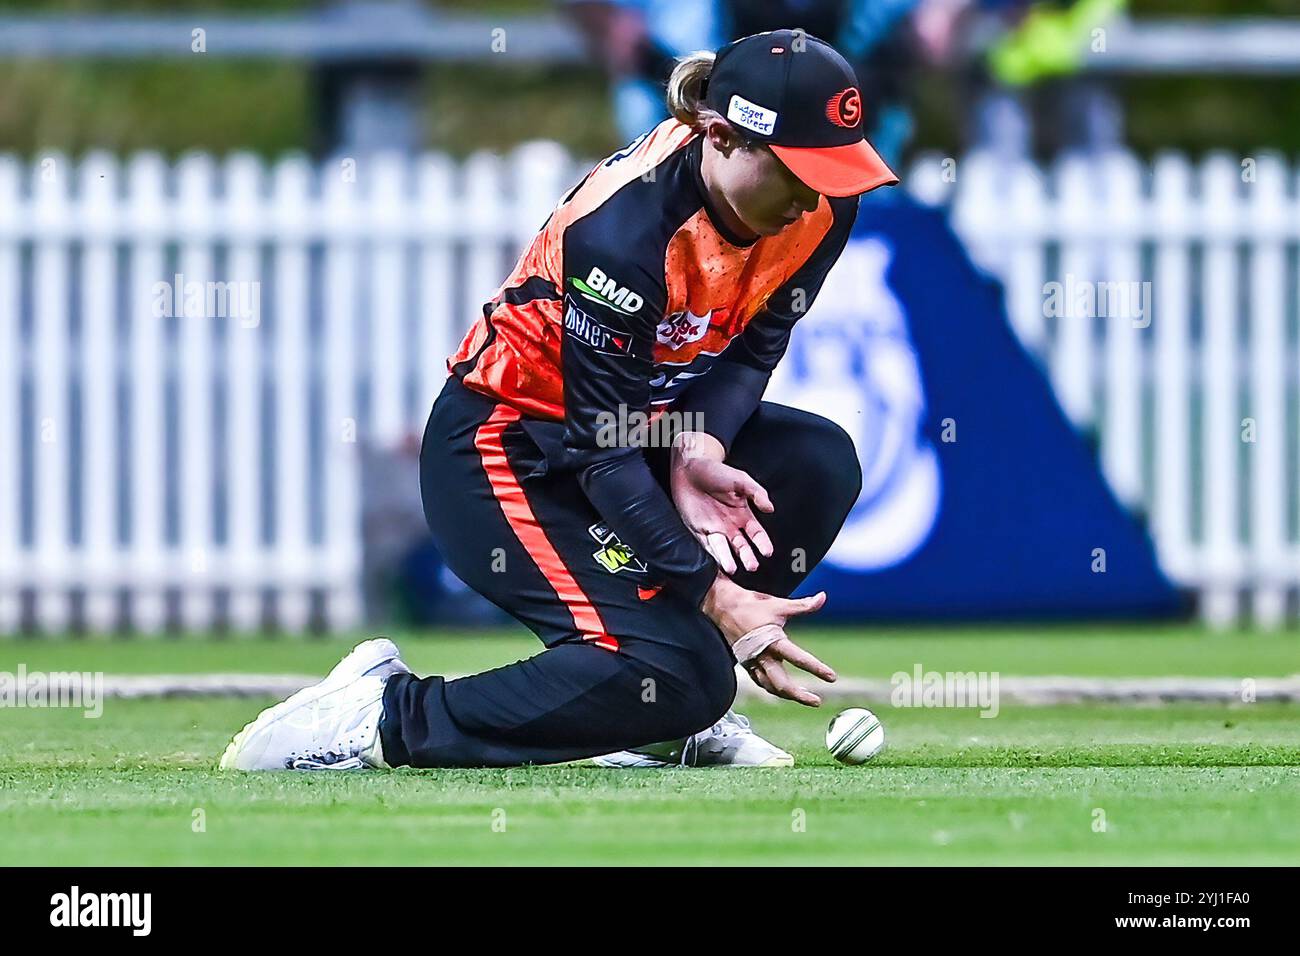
{"points": [[837, 170]]}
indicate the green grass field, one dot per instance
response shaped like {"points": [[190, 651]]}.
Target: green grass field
{"points": [[1184, 783]]}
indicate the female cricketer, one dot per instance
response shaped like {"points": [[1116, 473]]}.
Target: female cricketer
{"points": [[649, 560]]}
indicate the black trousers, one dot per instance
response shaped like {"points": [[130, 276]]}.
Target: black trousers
{"points": [[627, 662]]}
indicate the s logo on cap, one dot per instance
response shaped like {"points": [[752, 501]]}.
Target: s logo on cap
{"points": [[845, 108]]}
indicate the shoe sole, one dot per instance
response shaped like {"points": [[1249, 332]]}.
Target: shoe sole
{"points": [[383, 652], [647, 763], [631, 763]]}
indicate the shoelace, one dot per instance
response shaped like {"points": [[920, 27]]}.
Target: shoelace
{"points": [[731, 723], [327, 761]]}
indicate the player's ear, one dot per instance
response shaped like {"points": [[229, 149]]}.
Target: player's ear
{"points": [[722, 136]]}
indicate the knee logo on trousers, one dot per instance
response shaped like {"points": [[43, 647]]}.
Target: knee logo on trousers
{"points": [[613, 555]]}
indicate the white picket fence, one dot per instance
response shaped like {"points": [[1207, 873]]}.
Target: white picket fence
{"points": [[211, 461], [202, 469]]}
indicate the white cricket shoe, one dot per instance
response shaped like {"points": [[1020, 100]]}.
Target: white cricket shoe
{"points": [[333, 725], [731, 742]]}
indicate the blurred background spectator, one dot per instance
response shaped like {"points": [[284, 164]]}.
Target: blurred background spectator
{"points": [[926, 55]]}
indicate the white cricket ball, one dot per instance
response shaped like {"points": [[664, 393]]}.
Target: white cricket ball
{"points": [[855, 735]]}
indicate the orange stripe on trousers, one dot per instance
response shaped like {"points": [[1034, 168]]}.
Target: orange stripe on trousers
{"points": [[522, 521]]}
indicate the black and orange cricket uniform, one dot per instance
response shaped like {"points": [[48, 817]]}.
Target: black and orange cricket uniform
{"points": [[633, 298]]}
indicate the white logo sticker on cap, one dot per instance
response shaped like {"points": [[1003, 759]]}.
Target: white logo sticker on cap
{"points": [[750, 115]]}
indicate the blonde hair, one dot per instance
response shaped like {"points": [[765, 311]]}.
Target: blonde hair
{"points": [[686, 88]]}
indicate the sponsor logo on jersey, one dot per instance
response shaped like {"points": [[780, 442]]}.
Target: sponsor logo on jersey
{"points": [[595, 335], [682, 328], [605, 290], [750, 115], [614, 556]]}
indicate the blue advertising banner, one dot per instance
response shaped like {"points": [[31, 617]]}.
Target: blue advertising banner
{"points": [[979, 499]]}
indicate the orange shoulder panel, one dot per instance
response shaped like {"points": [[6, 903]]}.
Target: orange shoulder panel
{"points": [[605, 180]]}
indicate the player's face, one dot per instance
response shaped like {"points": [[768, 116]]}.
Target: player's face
{"points": [[758, 188], [766, 196]]}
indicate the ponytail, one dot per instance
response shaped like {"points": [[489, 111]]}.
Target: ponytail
{"points": [[686, 87]]}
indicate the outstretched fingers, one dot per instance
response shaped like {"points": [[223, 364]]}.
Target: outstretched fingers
{"points": [[795, 607], [788, 650], [740, 544], [760, 537], [768, 673], [756, 493], [716, 544]]}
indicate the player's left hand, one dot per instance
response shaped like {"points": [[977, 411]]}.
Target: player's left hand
{"points": [[716, 502], [767, 670], [753, 624]]}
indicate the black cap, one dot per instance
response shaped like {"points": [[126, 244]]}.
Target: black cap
{"points": [[795, 93]]}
